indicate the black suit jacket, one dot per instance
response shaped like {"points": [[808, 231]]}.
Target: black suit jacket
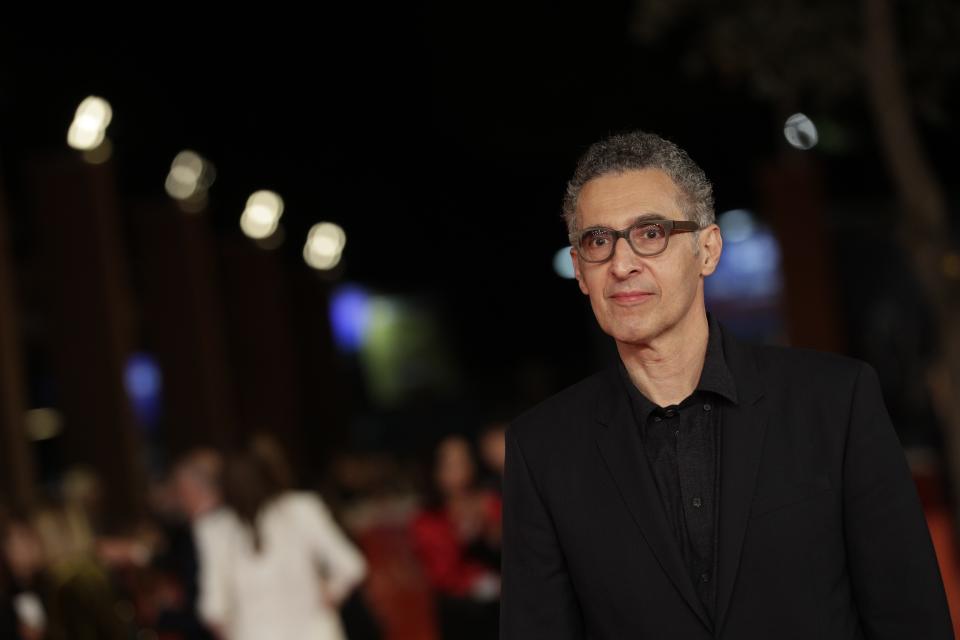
{"points": [[820, 531]]}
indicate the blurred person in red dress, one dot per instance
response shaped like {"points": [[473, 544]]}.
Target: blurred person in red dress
{"points": [[457, 538]]}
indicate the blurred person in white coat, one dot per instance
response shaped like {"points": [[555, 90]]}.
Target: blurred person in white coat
{"points": [[273, 564]]}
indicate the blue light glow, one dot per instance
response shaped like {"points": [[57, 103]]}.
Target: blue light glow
{"points": [[144, 385], [349, 316]]}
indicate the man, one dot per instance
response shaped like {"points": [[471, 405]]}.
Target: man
{"points": [[702, 488], [195, 483]]}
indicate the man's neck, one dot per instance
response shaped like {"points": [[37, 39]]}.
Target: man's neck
{"points": [[667, 369]]}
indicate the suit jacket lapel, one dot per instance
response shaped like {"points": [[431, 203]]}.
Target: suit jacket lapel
{"points": [[622, 451], [744, 426]]}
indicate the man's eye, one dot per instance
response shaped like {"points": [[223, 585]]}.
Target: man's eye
{"points": [[597, 238], [651, 232]]}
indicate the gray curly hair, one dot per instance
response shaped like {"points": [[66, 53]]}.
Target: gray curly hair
{"points": [[641, 150]]}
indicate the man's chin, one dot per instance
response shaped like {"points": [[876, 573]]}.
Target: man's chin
{"points": [[633, 336]]}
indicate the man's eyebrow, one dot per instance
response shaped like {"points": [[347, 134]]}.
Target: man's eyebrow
{"points": [[649, 216], [643, 217], [640, 218]]}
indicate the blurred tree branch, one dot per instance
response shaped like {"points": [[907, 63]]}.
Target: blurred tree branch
{"points": [[926, 230], [818, 53]]}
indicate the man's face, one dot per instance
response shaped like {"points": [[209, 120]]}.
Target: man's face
{"points": [[637, 299]]}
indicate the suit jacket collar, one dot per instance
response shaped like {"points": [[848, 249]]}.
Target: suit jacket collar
{"points": [[744, 428]]}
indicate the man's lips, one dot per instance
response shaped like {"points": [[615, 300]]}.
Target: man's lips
{"points": [[630, 297]]}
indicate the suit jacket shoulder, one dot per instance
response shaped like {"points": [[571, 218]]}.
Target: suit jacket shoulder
{"points": [[797, 363], [562, 412], [811, 381]]}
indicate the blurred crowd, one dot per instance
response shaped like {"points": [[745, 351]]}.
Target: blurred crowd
{"points": [[232, 546]]}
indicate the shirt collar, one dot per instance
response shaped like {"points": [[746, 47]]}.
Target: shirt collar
{"points": [[715, 377]]}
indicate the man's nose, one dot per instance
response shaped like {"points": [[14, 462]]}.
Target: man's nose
{"points": [[624, 261]]}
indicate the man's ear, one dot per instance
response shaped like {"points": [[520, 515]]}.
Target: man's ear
{"points": [[711, 246], [576, 271]]}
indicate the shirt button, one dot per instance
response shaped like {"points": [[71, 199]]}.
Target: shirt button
{"points": [[707, 407], [656, 418], [677, 433], [704, 577], [697, 502]]}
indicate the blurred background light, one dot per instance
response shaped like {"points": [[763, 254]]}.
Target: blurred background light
{"points": [[89, 127], [563, 264], [325, 243], [749, 269], [144, 385], [189, 179], [43, 424], [349, 316], [736, 225], [800, 132], [262, 214]]}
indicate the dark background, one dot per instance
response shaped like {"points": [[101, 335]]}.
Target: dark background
{"points": [[440, 138]]}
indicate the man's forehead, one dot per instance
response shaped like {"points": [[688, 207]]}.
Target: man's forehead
{"points": [[619, 198]]}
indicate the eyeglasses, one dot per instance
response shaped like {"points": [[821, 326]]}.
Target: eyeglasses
{"points": [[646, 238]]}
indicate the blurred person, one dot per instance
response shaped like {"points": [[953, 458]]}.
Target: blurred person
{"points": [[191, 496], [80, 601], [275, 565], [9, 622], [196, 480], [158, 560], [60, 589], [493, 451], [269, 454], [24, 581], [356, 616], [80, 505], [702, 487], [457, 538]]}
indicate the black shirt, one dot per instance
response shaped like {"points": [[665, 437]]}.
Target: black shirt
{"points": [[682, 445]]}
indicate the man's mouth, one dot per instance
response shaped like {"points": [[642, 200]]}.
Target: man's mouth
{"points": [[630, 297]]}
